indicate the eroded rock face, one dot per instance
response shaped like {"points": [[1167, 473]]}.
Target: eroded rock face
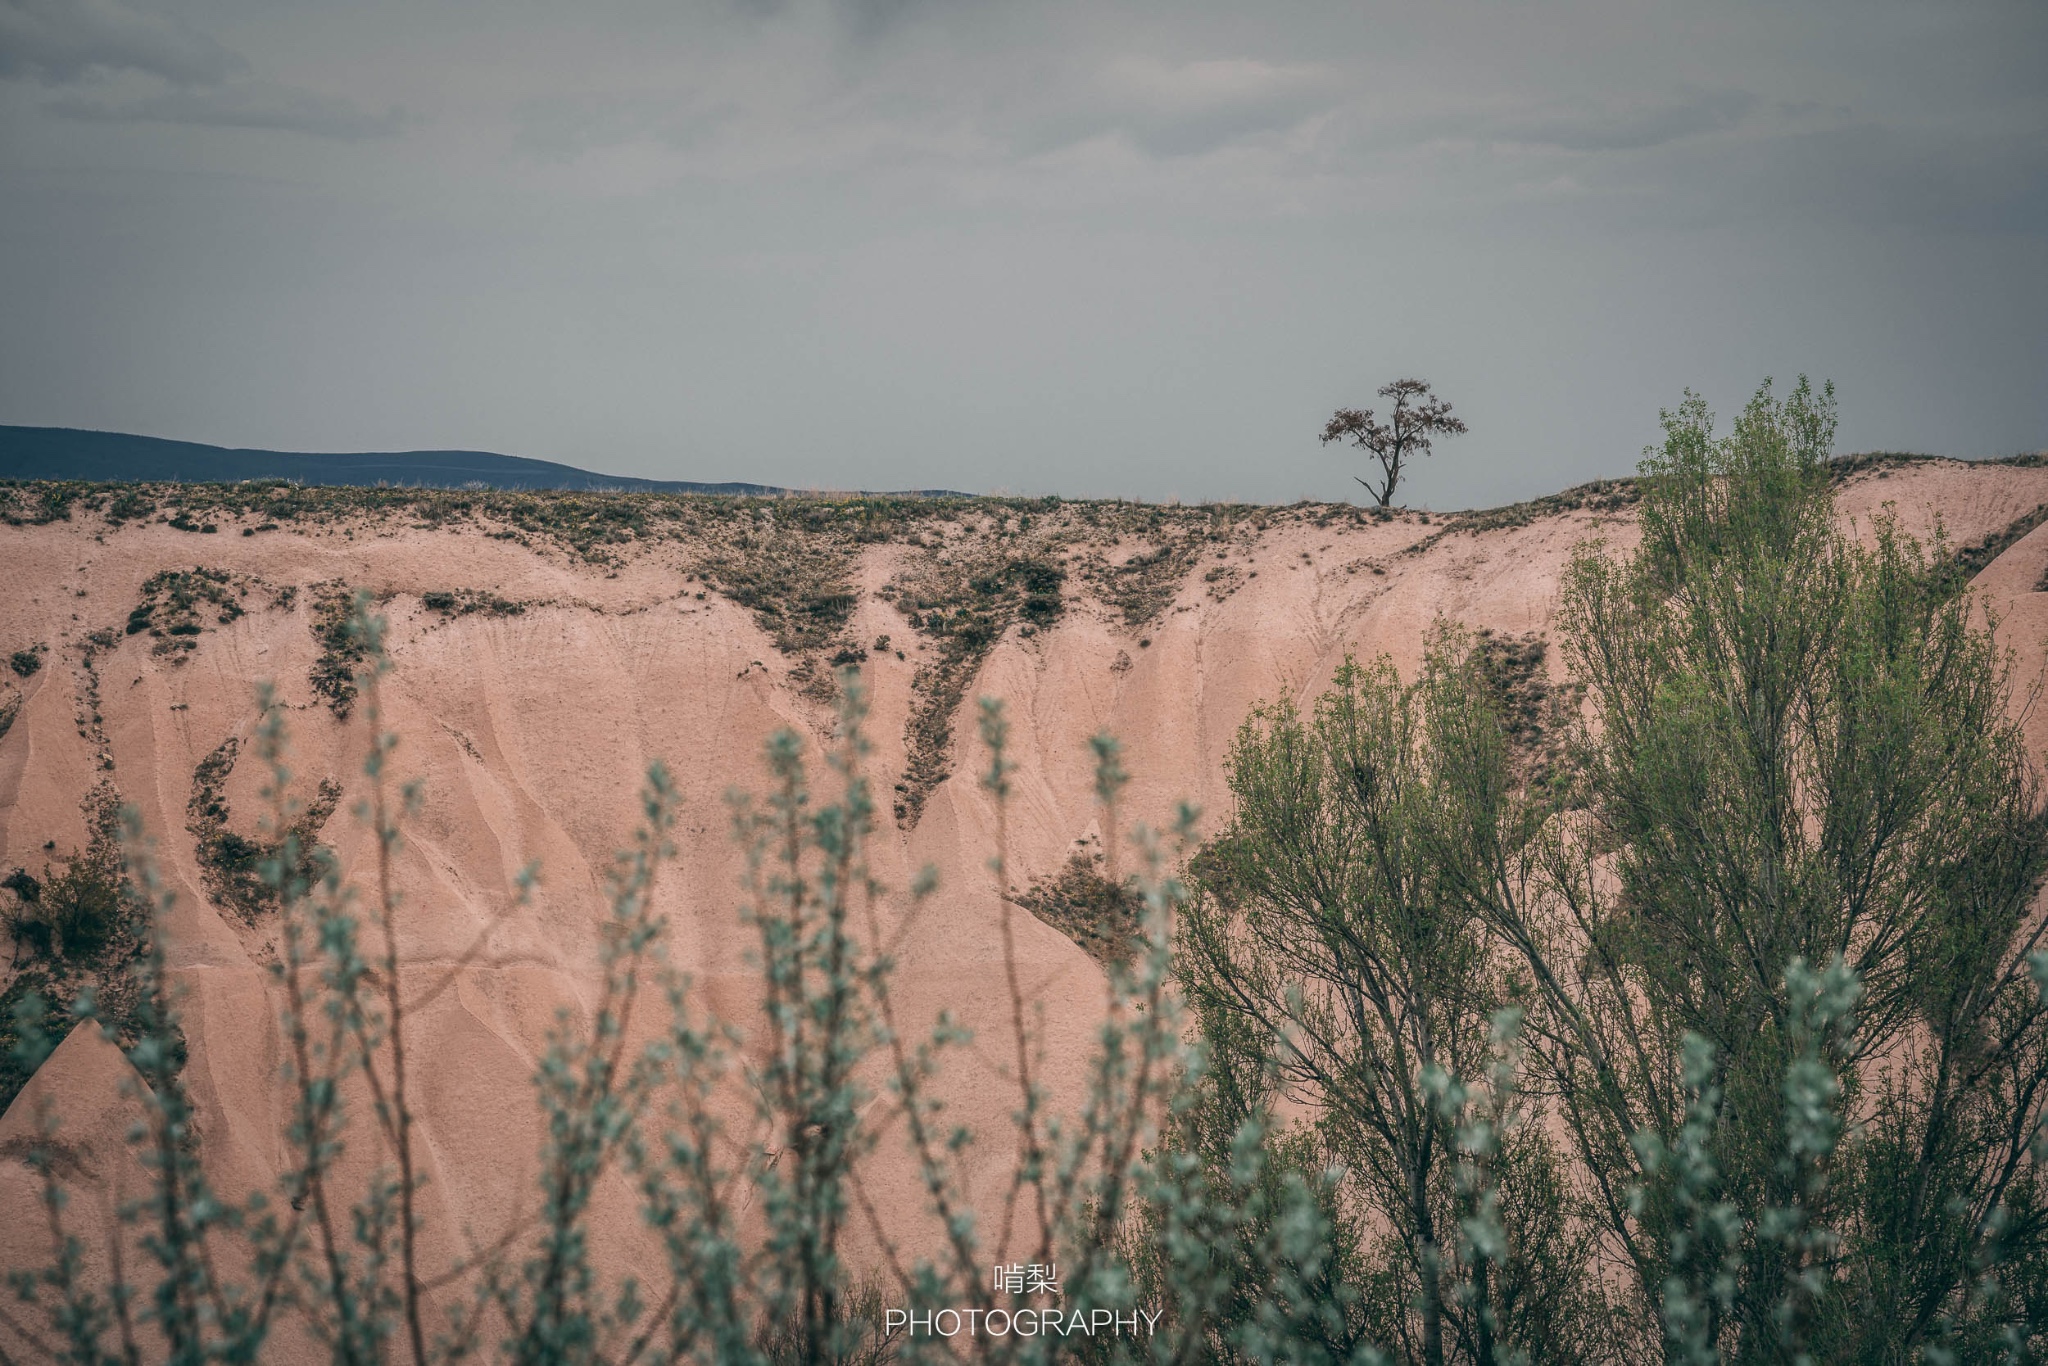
{"points": [[534, 683]]}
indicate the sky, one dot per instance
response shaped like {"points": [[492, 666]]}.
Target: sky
{"points": [[1030, 246]]}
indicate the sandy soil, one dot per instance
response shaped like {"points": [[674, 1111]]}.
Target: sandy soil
{"points": [[530, 734]]}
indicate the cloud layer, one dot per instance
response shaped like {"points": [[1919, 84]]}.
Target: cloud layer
{"points": [[61, 41], [244, 104], [90, 44], [1046, 245]]}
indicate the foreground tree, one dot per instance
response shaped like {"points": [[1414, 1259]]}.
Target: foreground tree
{"points": [[1417, 418], [1336, 969], [1777, 937], [1781, 947]]}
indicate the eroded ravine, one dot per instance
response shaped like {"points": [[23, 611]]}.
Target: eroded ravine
{"points": [[547, 650]]}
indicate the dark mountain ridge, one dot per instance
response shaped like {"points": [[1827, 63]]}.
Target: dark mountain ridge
{"points": [[69, 453]]}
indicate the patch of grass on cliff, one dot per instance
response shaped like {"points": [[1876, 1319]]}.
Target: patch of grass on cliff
{"points": [[790, 561], [461, 602], [964, 602], [333, 675], [1842, 467], [1600, 495], [1976, 557], [231, 864], [1535, 713], [38, 504], [1142, 585], [799, 587], [1106, 919], [976, 570], [76, 929], [69, 914], [178, 605]]}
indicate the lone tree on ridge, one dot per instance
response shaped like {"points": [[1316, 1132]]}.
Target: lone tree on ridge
{"points": [[1417, 419]]}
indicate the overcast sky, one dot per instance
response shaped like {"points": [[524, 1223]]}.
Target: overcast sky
{"points": [[1022, 245]]}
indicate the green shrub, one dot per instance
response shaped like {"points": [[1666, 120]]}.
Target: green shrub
{"points": [[129, 505], [231, 865], [76, 935], [1786, 877], [176, 605], [69, 914], [963, 604], [463, 601], [1106, 920], [333, 675]]}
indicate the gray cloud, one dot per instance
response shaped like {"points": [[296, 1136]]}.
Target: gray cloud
{"points": [[872, 18], [565, 127], [1189, 108], [1053, 245], [1875, 175], [860, 19], [1592, 128], [61, 41], [248, 104]]}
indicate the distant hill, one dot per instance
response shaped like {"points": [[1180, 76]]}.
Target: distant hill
{"points": [[69, 453]]}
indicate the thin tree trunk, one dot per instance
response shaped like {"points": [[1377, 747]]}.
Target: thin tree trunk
{"points": [[1430, 1269]]}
